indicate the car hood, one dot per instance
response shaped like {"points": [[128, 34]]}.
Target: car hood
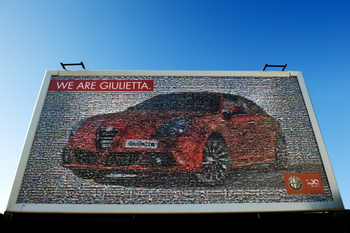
{"points": [[136, 119]]}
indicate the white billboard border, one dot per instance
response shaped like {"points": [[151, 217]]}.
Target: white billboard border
{"points": [[14, 207]]}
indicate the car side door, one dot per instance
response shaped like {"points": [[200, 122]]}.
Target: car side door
{"points": [[246, 131]]}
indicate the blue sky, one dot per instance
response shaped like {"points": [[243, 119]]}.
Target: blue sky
{"points": [[310, 36]]}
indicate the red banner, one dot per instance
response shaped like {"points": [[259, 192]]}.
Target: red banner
{"points": [[102, 85], [303, 183]]}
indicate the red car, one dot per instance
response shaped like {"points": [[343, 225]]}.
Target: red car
{"points": [[200, 133]]}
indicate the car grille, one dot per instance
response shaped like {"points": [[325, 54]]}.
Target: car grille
{"points": [[85, 158], [105, 137], [122, 158]]}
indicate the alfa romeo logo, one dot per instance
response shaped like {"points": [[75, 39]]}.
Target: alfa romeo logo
{"points": [[295, 183]]}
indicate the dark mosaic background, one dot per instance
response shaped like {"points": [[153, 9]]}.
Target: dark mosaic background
{"points": [[46, 181]]}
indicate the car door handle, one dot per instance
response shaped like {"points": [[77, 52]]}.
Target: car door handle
{"points": [[251, 122]]}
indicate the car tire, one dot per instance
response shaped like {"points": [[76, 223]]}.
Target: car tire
{"points": [[215, 162]]}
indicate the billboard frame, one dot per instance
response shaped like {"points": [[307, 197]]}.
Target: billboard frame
{"points": [[172, 208]]}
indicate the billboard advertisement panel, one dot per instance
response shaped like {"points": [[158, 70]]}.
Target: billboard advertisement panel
{"points": [[173, 142]]}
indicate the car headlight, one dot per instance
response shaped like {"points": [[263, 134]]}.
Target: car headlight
{"points": [[172, 128]]}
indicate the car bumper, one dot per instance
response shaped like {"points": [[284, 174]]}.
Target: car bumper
{"points": [[125, 161]]}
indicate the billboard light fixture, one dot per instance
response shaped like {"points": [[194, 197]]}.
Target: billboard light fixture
{"points": [[283, 66], [72, 64]]}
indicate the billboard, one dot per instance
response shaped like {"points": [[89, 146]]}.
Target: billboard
{"points": [[173, 142]]}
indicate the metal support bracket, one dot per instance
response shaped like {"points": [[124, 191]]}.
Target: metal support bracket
{"points": [[283, 66], [72, 64]]}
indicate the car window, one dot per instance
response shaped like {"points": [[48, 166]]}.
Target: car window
{"points": [[234, 105], [182, 102], [251, 107]]}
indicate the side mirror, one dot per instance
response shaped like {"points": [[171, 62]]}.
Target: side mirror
{"points": [[233, 111], [237, 111]]}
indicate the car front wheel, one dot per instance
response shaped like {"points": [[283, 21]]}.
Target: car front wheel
{"points": [[215, 162]]}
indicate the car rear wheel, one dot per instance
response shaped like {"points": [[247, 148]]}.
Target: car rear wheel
{"points": [[215, 162]]}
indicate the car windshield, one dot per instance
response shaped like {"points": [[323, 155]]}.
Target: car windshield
{"points": [[182, 102]]}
